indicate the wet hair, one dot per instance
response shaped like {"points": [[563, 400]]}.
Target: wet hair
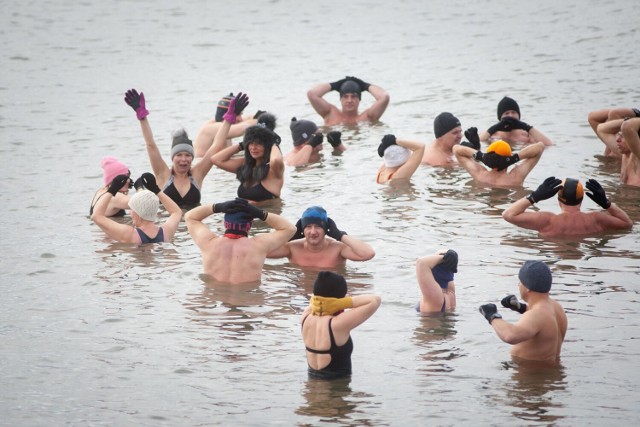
{"points": [[250, 171]]}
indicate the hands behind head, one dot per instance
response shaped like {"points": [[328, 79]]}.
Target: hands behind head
{"points": [[137, 102], [148, 181], [299, 231], [333, 230], [387, 141], [496, 161], [336, 85], [546, 190], [597, 194], [364, 86]]}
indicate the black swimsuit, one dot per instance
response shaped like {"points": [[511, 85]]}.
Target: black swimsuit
{"points": [[257, 193], [190, 200], [340, 365], [144, 237], [121, 212]]}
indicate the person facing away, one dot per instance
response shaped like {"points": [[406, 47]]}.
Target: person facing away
{"points": [[350, 89], [570, 221], [261, 169], [183, 181], [622, 140], [538, 335], [498, 158], [401, 158], [510, 128], [235, 257], [599, 117], [327, 324], [111, 168], [319, 242], [448, 132], [144, 212], [435, 279]]}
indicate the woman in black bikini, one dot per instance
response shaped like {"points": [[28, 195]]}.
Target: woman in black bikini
{"points": [[326, 327]]}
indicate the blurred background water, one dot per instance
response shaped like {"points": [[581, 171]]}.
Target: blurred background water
{"points": [[97, 333]]}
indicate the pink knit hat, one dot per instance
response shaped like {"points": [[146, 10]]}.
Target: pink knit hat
{"points": [[112, 168]]}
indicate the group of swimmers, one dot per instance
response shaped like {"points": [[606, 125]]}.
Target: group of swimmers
{"points": [[315, 239]]}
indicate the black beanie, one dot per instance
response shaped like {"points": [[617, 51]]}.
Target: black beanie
{"points": [[444, 122], [330, 285], [507, 104]]}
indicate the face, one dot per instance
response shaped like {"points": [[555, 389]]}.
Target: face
{"points": [[256, 150], [314, 234], [182, 162], [350, 102], [622, 144], [510, 113], [453, 137]]}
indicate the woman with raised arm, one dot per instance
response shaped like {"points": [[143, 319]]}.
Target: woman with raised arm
{"points": [[401, 158], [111, 168]]}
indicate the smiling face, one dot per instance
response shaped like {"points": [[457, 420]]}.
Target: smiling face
{"points": [[182, 162], [314, 234], [256, 150]]}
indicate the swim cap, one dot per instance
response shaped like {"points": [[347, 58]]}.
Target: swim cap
{"points": [[111, 168], [396, 155], [535, 276], [238, 222], [301, 130], [571, 193], [444, 122], [145, 204], [500, 147], [350, 87], [315, 215], [330, 285], [181, 142], [442, 276], [507, 104], [223, 106]]}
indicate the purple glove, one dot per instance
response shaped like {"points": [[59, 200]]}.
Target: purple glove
{"points": [[137, 102], [236, 106]]}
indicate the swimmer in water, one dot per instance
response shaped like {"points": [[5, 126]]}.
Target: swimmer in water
{"points": [[435, 278], [571, 221], [511, 129], [448, 132], [599, 117], [401, 158], [622, 139], [327, 324], [111, 168]]}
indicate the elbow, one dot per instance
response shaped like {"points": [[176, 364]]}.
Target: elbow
{"points": [[507, 216]]}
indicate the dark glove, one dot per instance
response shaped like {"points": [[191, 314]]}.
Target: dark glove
{"points": [[333, 230], [511, 301], [117, 183], [241, 145], [387, 141], [137, 102], [224, 207], [491, 160], [148, 181], [258, 113], [252, 211], [490, 312], [450, 261], [336, 85], [316, 139], [597, 194], [478, 156], [524, 126], [546, 190], [333, 138], [473, 139], [503, 162], [364, 86], [299, 231], [236, 106]]}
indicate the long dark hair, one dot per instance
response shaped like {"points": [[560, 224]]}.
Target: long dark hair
{"points": [[250, 171]]}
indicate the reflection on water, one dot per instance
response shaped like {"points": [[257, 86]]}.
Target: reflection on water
{"points": [[433, 335]]}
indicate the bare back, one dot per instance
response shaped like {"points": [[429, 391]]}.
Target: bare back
{"points": [[233, 260], [551, 322]]}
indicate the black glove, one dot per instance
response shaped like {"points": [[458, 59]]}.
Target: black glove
{"points": [[243, 205], [148, 181], [495, 128], [597, 194], [333, 230], [511, 301], [258, 113], [299, 231], [138, 184], [316, 139], [546, 190], [336, 85], [333, 138], [364, 86], [224, 207], [491, 160], [511, 160], [490, 312], [387, 141], [241, 102], [524, 126], [117, 183], [450, 261], [507, 124], [478, 156], [473, 139]]}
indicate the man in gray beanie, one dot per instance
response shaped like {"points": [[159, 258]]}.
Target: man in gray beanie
{"points": [[350, 89], [538, 335]]}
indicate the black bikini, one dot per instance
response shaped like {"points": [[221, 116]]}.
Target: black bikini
{"points": [[190, 200], [257, 193]]}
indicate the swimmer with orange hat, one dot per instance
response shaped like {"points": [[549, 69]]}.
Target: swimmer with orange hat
{"points": [[571, 221], [493, 167]]}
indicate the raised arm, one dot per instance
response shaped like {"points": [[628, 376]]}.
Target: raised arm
{"points": [[353, 249], [630, 129], [465, 157], [175, 214], [616, 218], [529, 157], [411, 165], [607, 133], [283, 231], [515, 214], [380, 105], [120, 232], [316, 98], [222, 157], [199, 232], [363, 308]]}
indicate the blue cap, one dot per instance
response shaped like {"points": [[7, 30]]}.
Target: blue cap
{"points": [[315, 215]]}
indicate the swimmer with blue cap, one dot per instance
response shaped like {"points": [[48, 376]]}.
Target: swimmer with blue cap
{"points": [[435, 277]]}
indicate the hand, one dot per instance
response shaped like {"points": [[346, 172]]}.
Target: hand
{"points": [[117, 183], [333, 138], [148, 181], [478, 155], [258, 114], [252, 211], [316, 139], [329, 306], [240, 146], [472, 136], [224, 207], [597, 194], [491, 160], [490, 312], [546, 190], [336, 85], [524, 126], [363, 85], [236, 106], [137, 102], [333, 230], [450, 261], [511, 302], [299, 231], [387, 141]]}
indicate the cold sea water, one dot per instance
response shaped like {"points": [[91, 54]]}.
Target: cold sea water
{"points": [[97, 333]]}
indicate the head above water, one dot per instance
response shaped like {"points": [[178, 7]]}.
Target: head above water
{"points": [[315, 215], [145, 204], [535, 276], [330, 285], [571, 193], [508, 104], [395, 156], [350, 87], [444, 123], [237, 223], [181, 143], [112, 167], [301, 130], [501, 148], [223, 106]]}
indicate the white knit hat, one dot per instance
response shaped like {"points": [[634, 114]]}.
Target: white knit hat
{"points": [[145, 204], [396, 155]]}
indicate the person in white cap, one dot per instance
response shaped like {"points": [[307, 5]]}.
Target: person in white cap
{"points": [[401, 158]]}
